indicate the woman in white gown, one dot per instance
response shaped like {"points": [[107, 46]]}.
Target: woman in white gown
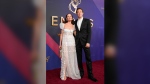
{"points": [[69, 66]]}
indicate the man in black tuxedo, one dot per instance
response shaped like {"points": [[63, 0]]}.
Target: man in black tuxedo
{"points": [[82, 38]]}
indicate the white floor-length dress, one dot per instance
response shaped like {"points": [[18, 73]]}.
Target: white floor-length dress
{"points": [[69, 66]]}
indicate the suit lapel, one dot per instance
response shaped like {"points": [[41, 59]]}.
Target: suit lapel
{"points": [[77, 25], [82, 24]]}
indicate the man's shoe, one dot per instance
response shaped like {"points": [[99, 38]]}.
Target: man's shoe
{"points": [[93, 79], [82, 75]]}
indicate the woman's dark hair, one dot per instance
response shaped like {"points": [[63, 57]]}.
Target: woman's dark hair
{"points": [[72, 22]]}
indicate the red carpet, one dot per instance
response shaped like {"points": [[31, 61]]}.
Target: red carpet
{"points": [[53, 76]]}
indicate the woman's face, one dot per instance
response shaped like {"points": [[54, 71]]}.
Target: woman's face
{"points": [[69, 17]]}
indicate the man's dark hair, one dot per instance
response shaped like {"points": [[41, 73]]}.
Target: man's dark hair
{"points": [[78, 9]]}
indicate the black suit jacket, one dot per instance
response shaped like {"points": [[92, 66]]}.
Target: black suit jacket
{"points": [[84, 35]]}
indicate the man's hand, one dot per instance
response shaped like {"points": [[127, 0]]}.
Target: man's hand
{"points": [[87, 45], [110, 50]]}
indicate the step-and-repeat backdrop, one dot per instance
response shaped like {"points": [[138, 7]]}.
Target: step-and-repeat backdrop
{"points": [[56, 10]]}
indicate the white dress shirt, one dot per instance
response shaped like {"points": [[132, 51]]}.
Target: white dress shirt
{"points": [[79, 22]]}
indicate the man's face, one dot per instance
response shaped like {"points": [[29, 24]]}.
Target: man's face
{"points": [[79, 13]]}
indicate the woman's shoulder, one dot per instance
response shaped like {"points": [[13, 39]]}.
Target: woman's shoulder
{"points": [[74, 27], [61, 23]]}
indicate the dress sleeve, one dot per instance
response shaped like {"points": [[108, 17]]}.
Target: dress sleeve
{"points": [[61, 25]]}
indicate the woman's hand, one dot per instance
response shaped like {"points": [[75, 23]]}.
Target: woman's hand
{"points": [[74, 32], [60, 47], [63, 20]]}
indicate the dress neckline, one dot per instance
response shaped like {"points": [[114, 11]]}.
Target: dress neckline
{"points": [[68, 29]]}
